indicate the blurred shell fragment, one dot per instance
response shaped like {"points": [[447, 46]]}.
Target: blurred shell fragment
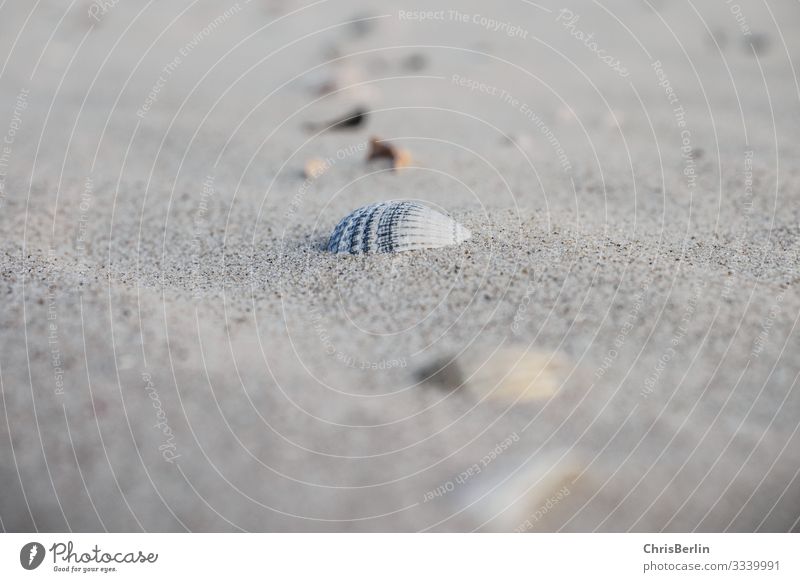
{"points": [[510, 374], [352, 120], [515, 373], [444, 372], [519, 498], [315, 167], [415, 62], [379, 149], [348, 81], [395, 226]]}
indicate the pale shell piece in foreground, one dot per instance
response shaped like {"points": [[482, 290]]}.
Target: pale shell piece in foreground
{"points": [[540, 494], [517, 374], [513, 374], [315, 167], [395, 226]]}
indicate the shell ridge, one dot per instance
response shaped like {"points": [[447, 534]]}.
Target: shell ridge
{"points": [[385, 238], [398, 225], [354, 231], [366, 239], [374, 240]]}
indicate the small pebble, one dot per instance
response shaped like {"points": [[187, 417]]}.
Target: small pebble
{"points": [[315, 167]]}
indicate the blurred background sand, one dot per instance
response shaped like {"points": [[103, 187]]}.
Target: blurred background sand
{"points": [[177, 352]]}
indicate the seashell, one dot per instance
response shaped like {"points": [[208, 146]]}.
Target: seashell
{"points": [[395, 226], [400, 158], [315, 167], [348, 121], [510, 374], [516, 374], [539, 494]]}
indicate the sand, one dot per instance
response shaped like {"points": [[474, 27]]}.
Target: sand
{"points": [[178, 352]]}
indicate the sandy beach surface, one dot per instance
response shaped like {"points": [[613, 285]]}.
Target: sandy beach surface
{"points": [[614, 349]]}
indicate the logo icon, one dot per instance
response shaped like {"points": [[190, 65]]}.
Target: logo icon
{"points": [[31, 555]]}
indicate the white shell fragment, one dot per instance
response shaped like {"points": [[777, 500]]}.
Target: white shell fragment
{"points": [[540, 494], [395, 226], [517, 374], [511, 373]]}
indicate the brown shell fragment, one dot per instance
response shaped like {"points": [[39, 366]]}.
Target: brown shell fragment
{"points": [[382, 150]]}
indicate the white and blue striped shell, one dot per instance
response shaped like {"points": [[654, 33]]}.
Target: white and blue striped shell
{"points": [[395, 226]]}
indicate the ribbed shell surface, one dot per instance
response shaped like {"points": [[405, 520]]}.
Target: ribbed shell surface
{"points": [[395, 226]]}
